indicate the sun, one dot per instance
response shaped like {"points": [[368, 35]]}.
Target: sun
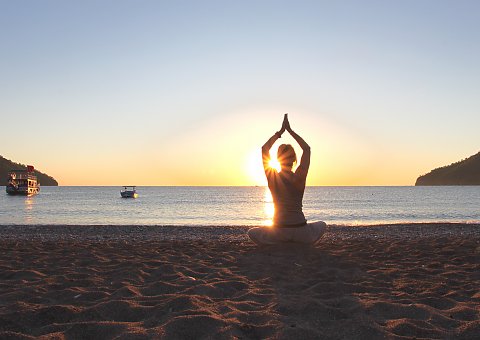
{"points": [[273, 163], [254, 167]]}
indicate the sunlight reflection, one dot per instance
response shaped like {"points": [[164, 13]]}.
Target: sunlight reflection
{"points": [[28, 209], [269, 208]]}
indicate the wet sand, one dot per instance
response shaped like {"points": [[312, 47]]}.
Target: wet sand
{"points": [[110, 282]]}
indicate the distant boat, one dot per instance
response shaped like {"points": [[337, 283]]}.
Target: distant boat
{"points": [[129, 191], [23, 182]]}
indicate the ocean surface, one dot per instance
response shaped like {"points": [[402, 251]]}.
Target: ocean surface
{"points": [[230, 206]]}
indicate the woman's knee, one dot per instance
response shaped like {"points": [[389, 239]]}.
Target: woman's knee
{"points": [[318, 229], [317, 224], [264, 235], [260, 236], [311, 234]]}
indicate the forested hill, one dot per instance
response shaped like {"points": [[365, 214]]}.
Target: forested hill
{"points": [[7, 165], [466, 172]]}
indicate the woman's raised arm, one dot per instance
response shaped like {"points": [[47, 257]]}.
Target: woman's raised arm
{"points": [[268, 145], [302, 170]]}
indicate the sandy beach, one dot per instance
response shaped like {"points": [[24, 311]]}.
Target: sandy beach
{"points": [[124, 282]]}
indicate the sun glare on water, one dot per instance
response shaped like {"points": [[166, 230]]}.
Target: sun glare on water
{"points": [[269, 208]]}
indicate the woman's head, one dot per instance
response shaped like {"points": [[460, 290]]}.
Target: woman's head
{"points": [[286, 155]]}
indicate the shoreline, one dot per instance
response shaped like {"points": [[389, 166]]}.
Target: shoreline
{"points": [[224, 233], [395, 282]]}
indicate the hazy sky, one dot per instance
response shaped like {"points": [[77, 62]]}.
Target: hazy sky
{"points": [[186, 92]]}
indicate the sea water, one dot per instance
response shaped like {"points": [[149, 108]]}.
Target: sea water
{"points": [[227, 206]]}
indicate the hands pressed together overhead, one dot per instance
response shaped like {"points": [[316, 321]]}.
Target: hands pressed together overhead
{"points": [[285, 126]]}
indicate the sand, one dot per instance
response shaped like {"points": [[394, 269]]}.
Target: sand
{"points": [[106, 282]]}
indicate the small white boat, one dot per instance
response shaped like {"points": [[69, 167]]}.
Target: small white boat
{"points": [[129, 191]]}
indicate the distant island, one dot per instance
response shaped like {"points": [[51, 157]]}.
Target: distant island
{"points": [[466, 172], [7, 165]]}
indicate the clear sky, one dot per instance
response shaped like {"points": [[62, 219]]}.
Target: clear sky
{"points": [[186, 92]]}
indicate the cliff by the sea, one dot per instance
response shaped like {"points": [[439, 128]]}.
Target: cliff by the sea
{"points": [[465, 172], [7, 165]]}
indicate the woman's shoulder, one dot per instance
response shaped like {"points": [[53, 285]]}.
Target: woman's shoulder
{"points": [[299, 179]]}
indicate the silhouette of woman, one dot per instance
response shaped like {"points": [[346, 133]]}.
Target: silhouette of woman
{"points": [[287, 188]]}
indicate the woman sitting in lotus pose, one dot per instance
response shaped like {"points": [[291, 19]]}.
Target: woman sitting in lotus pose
{"points": [[287, 188]]}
